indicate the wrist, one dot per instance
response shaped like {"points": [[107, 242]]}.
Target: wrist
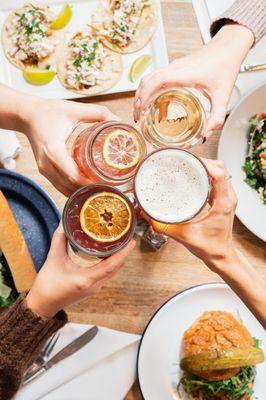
{"points": [[39, 305], [220, 263], [236, 40], [29, 107]]}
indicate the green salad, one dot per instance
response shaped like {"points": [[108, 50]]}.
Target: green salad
{"points": [[255, 162], [8, 293]]}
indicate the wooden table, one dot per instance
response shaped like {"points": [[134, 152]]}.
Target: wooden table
{"points": [[128, 301]]}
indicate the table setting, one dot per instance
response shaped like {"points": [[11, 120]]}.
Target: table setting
{"points": [[125, 343]]}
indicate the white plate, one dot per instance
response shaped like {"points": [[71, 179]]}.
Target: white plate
{"points": [[232, 149], [159, 352], [82, 10]]}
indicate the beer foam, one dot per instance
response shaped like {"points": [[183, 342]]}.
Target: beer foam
{"points": [[171, 185]]}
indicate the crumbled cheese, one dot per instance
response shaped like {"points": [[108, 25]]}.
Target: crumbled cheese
{"points": [[29, 35], [85, 61]]}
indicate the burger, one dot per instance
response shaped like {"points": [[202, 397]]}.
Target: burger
{"points": [[17, 271], [219, 358]]}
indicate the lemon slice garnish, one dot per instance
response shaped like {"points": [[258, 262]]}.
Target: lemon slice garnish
{"points": [[63, 18], [121, 149], [139, 66], [36, 76]]}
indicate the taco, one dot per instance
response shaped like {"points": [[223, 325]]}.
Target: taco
{"points": [[27, 38], [125, 26], [85, 66]]}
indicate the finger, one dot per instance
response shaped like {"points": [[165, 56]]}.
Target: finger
{"points": [[59, 241], [70, 175], [222, 193], [217, 115], [106, 268], [94, 113]]}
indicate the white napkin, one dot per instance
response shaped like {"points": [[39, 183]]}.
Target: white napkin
{"points": [[9, 148], [207, 11], [103, 369]]}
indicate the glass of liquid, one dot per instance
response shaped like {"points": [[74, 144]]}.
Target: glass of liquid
{"points": [[107, 152], [99, 220], [172, 186], [175, 118]]}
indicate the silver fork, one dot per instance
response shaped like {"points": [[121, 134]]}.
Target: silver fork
{"points": [[44, 354]]}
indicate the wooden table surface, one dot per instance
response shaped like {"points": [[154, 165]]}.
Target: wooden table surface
{"points": [[128, 301]]}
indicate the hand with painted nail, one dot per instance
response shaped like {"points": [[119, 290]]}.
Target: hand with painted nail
{"points": [[47, 124], [61, 282], [213, 70]]}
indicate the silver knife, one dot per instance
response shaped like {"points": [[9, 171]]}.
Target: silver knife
{"points": [[252, 67], [67, 351]]}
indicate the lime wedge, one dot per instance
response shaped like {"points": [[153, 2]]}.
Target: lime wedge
{"points": [[36, 76], [139, 66], [63, 18]]}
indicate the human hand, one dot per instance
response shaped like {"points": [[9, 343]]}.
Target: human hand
{"points": [[209, 237], [212, 69], [61, 282], [49, 124]]}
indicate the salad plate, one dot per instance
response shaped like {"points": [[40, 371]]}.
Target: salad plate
{"points": [[233, 149], [161, 345]]}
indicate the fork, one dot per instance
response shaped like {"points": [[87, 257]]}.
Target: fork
{"points": [[44, 354]]}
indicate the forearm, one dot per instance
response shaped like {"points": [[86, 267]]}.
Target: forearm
{"points": [[15, 109], [22, 335], [234, 41], [245, 281]]}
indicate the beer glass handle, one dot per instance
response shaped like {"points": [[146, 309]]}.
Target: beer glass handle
{"points": [[144, 230]]}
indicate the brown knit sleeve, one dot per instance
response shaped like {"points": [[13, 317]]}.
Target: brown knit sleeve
{"points": [[22, 336], [250, 13]]}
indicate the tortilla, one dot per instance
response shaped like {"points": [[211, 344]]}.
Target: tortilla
{"points": [[112, 66], [146, 27], [56, 37]]}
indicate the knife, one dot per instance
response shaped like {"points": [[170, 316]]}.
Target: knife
{"points": [[252, 67], [67, 351]]}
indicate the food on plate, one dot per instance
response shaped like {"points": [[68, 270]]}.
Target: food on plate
{"points": [[126, 26], [36, 76], [139, 66], [255, 162], [85, 66], [28, 39], [17, 271], [219, 359], [63, 18]]}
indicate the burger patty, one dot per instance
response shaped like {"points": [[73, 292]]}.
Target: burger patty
{"points": [[216, 330]]}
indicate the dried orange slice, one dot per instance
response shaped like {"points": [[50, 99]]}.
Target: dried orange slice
{"points": [[121, 149], [105, 217]]}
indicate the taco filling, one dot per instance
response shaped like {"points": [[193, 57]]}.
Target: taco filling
{"points": [[120, 25], [29, 32], [85, 62]]}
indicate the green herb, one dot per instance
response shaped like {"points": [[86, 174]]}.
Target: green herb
{"points": [[234, 388], [255, 172], [256, 343], [8, 280]]}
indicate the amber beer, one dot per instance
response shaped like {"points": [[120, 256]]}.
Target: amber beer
{"points": [[172, 186], [175, 118]]}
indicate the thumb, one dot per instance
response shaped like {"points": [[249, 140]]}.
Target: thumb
{"points": [[217, 116], [58, 245]]}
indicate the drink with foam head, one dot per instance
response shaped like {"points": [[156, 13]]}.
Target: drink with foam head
{"points": [[171, 186]]}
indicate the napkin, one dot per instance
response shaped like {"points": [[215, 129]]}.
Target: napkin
{"points": [[103, 369], [9, 149], [207, 11]]}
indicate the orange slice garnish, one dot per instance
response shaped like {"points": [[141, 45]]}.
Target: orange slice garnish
{"points": [[105, 217], [121, 149]]}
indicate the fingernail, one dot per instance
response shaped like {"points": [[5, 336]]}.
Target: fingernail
{"points": [[204, 140], [137, 102], [135, 121]]}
